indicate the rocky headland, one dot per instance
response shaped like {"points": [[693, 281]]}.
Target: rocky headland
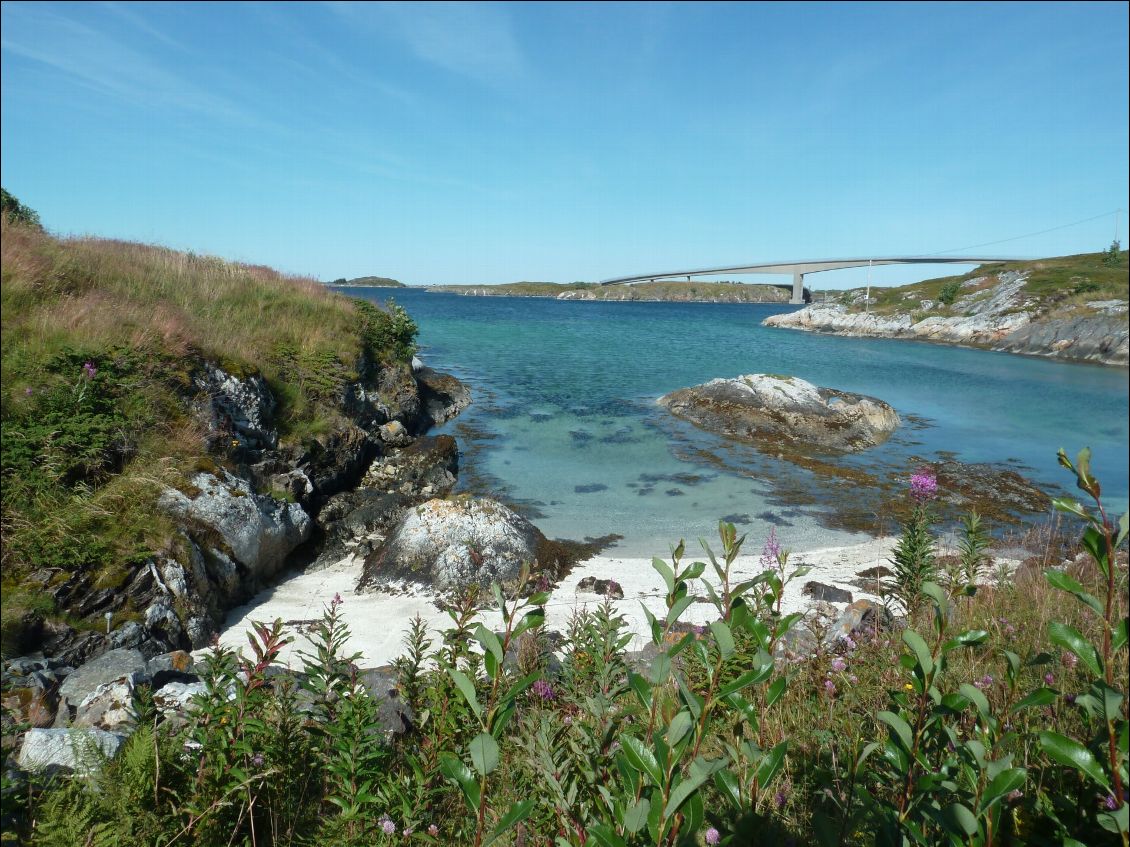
{"points": [[768, 408], [1073, 308]]}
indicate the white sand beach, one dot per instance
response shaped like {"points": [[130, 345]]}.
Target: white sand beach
{"points": [[378, 621]]}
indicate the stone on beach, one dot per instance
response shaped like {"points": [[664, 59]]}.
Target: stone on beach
{"points": [[451, 544]]}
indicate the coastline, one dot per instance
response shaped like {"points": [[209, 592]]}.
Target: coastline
{"points": [[378, 621]]}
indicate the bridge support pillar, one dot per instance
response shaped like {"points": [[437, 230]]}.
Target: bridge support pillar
{"points": [[798, 290]]}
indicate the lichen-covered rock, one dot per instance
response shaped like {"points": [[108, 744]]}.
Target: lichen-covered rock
{"points": [[259, 530], [79, 750], [765, 407], [109, 706], [110, 666], [355, 522], [450, 544], [236, 409]]}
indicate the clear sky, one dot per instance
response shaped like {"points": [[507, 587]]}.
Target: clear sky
{"points": [[458, 143]]}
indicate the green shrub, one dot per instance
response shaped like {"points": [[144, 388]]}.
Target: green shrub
{"points": [[949, 292]]}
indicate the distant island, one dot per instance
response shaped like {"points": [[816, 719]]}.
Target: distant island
{"points": [[699, 292], [369, 282]]}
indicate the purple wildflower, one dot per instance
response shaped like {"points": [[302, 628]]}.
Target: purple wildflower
{"points": [[771, 551], [1049, 679], [923, 485], [388, 826], [1070, 660], [829, 687], [257, 760], [337, 601], [433, 830], [1110, 803], [853, 679], [89, 370], [29, 391], [1070, 698], [849, 642], [713, 836], [780, 798], [984, 682], [543, 690], [839, 665], [1014, 795]]}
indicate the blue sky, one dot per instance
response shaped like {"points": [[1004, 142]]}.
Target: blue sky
{"points": [[488, 143]]}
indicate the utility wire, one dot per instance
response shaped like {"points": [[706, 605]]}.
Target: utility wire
{"points": [[1027, 235]]}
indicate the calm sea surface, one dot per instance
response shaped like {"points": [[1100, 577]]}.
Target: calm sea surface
{"points": [[564, 420]]}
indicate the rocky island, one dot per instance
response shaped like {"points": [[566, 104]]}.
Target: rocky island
{"points": [[1072, 307], [768, 408]]}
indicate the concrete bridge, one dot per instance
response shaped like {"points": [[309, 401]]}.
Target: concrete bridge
{"points": [[800, 269]]}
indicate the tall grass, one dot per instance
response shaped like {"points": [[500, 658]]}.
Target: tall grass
{"points": [[101, 342]]}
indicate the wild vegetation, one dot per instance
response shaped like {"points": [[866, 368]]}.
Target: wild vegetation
{"points": [[102, 340], [1053, 285], [997, 715]]}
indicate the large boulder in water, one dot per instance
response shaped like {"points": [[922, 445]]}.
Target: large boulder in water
{"points": [[768, 408], [450, 544]]}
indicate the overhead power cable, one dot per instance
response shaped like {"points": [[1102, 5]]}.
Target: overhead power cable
{"points": [[1027, 235]]}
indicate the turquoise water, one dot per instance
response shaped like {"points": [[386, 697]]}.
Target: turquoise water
{"points": [[564, 420]]}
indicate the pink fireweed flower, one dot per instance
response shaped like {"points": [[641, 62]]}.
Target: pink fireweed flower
{"points": [[713, 836], [771, 551], [543, 690], [923, 485]]}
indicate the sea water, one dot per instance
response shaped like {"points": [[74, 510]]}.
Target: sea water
{"points": [[565, 423]]}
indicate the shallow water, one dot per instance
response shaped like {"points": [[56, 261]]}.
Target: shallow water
{"points": [[564, 420]]}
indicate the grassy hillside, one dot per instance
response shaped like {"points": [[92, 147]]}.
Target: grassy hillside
{"points": [[1054, 284], [728, 291], [100, 342]]}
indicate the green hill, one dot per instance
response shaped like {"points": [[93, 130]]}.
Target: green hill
{"points": [[104, 345]]}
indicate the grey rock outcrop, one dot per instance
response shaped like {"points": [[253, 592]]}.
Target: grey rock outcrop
{"points": [[259, 530], [765, 407], [235, 409], [450, 544], [355, 522], [110, 666], [442, 396]]}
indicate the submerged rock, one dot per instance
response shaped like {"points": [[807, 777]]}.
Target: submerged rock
{"points": [[766, 407], [451, 544]]}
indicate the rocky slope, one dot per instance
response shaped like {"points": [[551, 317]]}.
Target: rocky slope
{"points": [[1015, 311]]}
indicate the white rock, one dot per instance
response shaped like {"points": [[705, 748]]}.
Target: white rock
{"points": [[80, 750], [454, 543]]}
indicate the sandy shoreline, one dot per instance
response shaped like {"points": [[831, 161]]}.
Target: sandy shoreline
{"points": [[378, 621]]}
